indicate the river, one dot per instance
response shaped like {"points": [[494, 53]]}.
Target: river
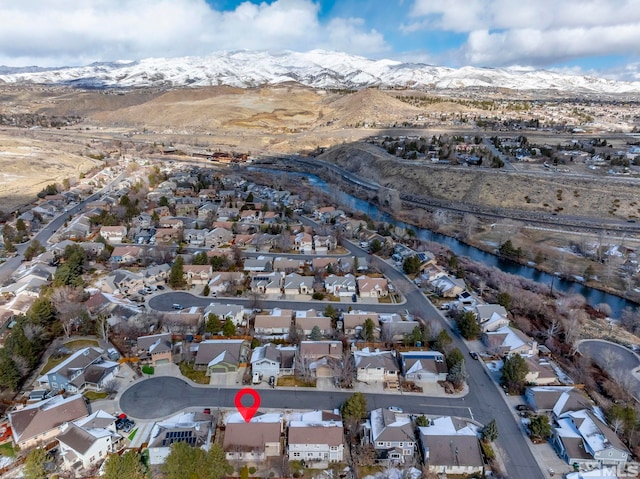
{"points": [[592, 295]]}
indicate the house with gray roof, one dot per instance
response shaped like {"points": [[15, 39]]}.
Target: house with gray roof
{"points": [[235, 312], [87, 442], [194, 428], [295, 284], [450, 446], [155, 349], [340, 285], [219, 356], [271, 360], [379, 367], [424, 366], [278, 321], [83, 369], [317, 437], [392, 436]]}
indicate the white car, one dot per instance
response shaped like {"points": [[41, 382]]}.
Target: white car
{"points": [[395, 409]]}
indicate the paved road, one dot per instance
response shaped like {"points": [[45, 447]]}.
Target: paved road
{"points": [[177, 394], [611, 357]]}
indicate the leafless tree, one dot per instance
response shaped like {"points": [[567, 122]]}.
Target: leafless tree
{"points": [[32, 331], [604, 308], [469, 225], [295, 334], [102, 328], [344, 369], [303, 367], [67, 301], [609, 359], [111, 386]]}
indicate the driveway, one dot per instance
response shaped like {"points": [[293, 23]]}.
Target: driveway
{"points": [[613, 357]]}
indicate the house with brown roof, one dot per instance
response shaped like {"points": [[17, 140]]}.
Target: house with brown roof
{"points": [[87, 442], [127, 254], [168, 235], [253, 441], [556, 399], [155, 349], [197, 274], [41, 422], [451, 446], [220, 356], [319, 349], [186, 321], [317, 437], [218, 237], [491, 317], [373, 287], [540, 372], [279, 321], [392, 436], [307, 320], [353, 321], [287, 265]]}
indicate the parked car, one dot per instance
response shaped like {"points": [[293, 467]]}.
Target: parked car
{"points": [[524, 407], [177, 306], [272, 381], [395, 409], [207, 410], [473, 354], [160, 287], [354, 298]]}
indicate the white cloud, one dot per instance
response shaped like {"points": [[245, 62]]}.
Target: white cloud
{"points": [[541, 32], [57, 32]]}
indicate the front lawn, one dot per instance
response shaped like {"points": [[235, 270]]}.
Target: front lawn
{"points": [[199, 377], [289, 381], [95, 395], [7, 450], [76, 344]]}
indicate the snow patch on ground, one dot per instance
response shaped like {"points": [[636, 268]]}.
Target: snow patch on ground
{"points": [[394, 473]]}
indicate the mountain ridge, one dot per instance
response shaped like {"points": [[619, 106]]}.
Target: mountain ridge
{"points": [[316, 68]]}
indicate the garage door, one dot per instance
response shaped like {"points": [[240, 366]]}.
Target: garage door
{"points": [[162, 361]]}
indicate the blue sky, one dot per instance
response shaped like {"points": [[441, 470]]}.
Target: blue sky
{"points": [[580, 36]]}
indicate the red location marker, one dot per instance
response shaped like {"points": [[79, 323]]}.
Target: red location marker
{"points": [[247, 412]]}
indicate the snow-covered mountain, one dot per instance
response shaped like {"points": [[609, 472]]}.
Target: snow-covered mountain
{"points": [[320, 69]]}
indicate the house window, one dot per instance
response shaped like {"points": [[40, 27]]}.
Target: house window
{"points": [[296, 454]]}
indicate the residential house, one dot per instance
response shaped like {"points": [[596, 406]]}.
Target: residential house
{"points": [[557, 399], [156, 349], [113, 234], [186, 321], [194, 428], [254, 441], [207, 211], [221, 356], [83, 369], [156, 274], [172, 223], [194, 236], [395, 327], [218, 237], [340, 285], [583, 438], [391, 435], [373, 287], [377, 367], [491, 317], [327, 264], [228, 214], [267, 283], [288, 265], [353, 321], [600, 473], [86, 442], [295, 284], [279, 321], [540, 372], [322, 244], [507, 341], [450, 446], [322, 358], [448, 287], [122, 281], [270, 360], [316, 437], [168, 235], [303, 242], [307, 320], [234, 312], [41, 422], [127, 254], [424, 366], [187, 206], [260, 264], [197, 274], [223, 281]]}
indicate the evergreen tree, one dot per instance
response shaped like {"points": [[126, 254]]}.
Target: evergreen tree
{"points": [[34, 464], [514, 372], [490, 431], [468, 325], [368, 330], [355, 407], [228, 328], [316, 334], [213, 324], [176, 275]]}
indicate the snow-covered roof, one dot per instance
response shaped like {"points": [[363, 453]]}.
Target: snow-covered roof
{"points": [[445, 426], [236, 417]]}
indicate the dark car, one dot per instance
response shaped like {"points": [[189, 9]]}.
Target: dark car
{"points": [[160, 286], [473, 354], [524, 407], [272, 381], [207, 410], [354, 298]]}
